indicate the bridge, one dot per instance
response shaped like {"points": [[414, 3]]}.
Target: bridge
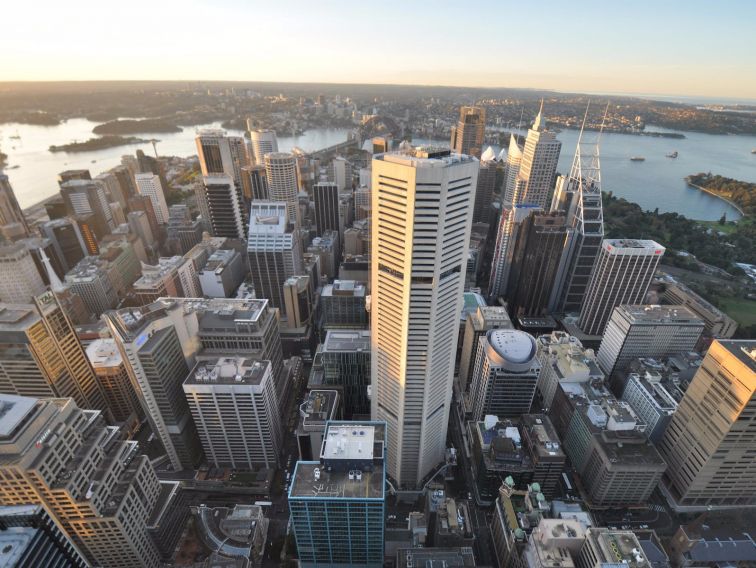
{"points": [[336, 149]]}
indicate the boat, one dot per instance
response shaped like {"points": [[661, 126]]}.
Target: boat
{"points": [[672, 155], [637, 159], [753, 151], [94, 161]]}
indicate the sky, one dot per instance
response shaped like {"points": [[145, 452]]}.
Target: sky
{"points": [[667, 47]]}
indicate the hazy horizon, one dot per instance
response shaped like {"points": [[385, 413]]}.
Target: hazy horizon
{"points": [[639, 49]]}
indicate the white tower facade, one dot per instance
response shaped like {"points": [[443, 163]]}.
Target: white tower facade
{"points": [[149, 185], [538, 165], [281, 171], [262, 142], [422, 203], [222, 155]]}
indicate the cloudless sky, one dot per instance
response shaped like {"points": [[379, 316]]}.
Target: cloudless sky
{"points": [[693, 47]]}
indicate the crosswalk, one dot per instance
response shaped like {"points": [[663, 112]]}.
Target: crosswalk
{"points": [[657, 508]]}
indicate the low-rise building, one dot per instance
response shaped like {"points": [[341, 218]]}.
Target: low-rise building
{"points": [[318, 408]]}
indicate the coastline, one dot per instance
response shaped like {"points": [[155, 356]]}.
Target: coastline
{"points": [[710, 192]]}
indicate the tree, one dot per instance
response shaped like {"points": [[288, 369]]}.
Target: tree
{"points": [[723, 218]]}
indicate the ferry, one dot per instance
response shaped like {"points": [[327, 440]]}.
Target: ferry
{"points": [[753, 151], [672, 155], [637, 159]]}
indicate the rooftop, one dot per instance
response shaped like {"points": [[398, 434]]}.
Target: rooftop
{"points": [[317, 409], [632, 246], [512, 346], [228, 371], [13, 543], [356, 340], [103, 353], [17, 317], [219, 259], [656, 314], [621, 547], [436, 557], [424, 157], [743, 350], [344, 288], [13, 410]]}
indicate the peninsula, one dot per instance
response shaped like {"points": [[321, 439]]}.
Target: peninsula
{"points": [[98, 144]]}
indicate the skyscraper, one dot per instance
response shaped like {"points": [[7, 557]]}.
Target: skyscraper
{"points": [[467, 136], [535, 179], [20, 279], [709, 444], [579, 197], [345, 360], [539, 252], [281, 171], [506, 234], [512, 169], [149, 185], [225, 206], [273, 250], [91, 481], [222, 155], [41, 356], [478, 323], [114, 379], [504, 378], [68, 244], [237, 412], [484, 191], [83, 198], [326, 198], [10, 211], [343, 525], [623, 272], [254, 183], [263, 142], [422, 213], [645, 331]]}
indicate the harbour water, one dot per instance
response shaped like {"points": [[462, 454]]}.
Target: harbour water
{"points": [[656, 182]]}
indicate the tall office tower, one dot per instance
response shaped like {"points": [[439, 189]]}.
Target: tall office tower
{"points": [[579, 197], [90, 280], [709, 443], [273, 250], [327, 248], [84, 197], [222, 274], [263, 142], [478, 323], [535, 179], [645, 331], [506, 371], [19, 278], [623, 272], [183, 233], [362, 203], [87, 225], [153, 347], [422, 213], [298, 299], [55, 207], [69, 175], [343, 526], [564, 360], [10, 211], [512, 169], [648, 396], [467, 136], [113, 377], [149, 186], [254, 184], [40, 354], [484, 191], [125, 181], [90, 480], [143, 204], [30, 538], [342, 305], [112, 186], [340, 173], [539, 253], [506, 234], [603, 547], [281, 171], [326, 197], [222, 155], [345, 360], [117, 212], [236, 409], [717, 323], [225, 206]]}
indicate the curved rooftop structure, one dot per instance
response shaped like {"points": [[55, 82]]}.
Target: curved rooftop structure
{"points": [[512, 349]]}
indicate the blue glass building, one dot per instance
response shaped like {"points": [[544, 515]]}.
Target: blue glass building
{"points": [[337, 504]]}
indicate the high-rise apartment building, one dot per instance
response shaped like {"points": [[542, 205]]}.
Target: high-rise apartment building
{"points": [[67, 242], [422, 213], [281, 171], [535, 179], [326, 198], [501, 263], [10, 211], [90, 480], [20, 279], [262, 141], [709, 444], [506, 371], [623, 272], [227, 215], [645, 331], [237, 412], [477, 324], [273, 250], [484, 191], [337, 504], [149, 185], [468, 134], [579, 197], [41, 356], [539, 251], [222, 155]]}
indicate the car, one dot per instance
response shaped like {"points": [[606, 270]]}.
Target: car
{"points": [[392, 517], [644, 526], [626, 527], [288, 476]]}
